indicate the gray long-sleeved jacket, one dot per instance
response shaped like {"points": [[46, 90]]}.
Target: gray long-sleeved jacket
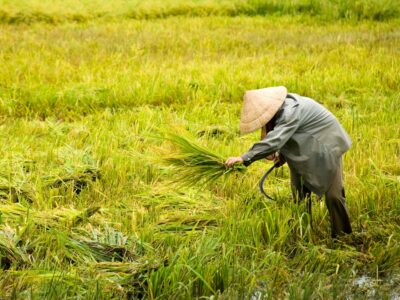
{"points": [[309, 137]]}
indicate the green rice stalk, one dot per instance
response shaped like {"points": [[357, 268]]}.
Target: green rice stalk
{"points": [[163, 198], [10, 253], [124, 269], [57, 218], [14, 192], [42, 275], [128, 276], [195, 164], [184, 222], [79, 179], [16, 189]]}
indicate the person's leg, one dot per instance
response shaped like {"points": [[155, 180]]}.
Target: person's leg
{"points": [[300, 191], [295, 184], [336, 203]]}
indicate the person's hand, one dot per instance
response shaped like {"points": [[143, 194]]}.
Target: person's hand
{"points": [[271, 157], [233, 160]]}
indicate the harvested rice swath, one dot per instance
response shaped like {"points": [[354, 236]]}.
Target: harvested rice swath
{"points": [[195, 164]]}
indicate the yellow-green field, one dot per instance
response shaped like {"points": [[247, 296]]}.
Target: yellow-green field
{"points": [[88, 210]]}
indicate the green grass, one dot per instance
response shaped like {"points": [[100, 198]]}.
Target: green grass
{"points": [[50, 11], [87, 208]]}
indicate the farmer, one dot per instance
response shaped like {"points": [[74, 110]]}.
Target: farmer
{"points": [[308, 137]]}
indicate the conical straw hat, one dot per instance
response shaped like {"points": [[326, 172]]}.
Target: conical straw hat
{"points": [[259, 107]]}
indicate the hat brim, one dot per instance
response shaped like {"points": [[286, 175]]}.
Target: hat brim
{"points": [[260, 106]]}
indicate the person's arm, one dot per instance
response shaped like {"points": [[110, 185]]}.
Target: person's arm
{"points": [[286, 126]]}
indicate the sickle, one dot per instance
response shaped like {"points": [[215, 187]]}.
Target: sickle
{"points": [[261, 183]]}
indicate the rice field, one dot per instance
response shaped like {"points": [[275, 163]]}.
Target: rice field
{"points": [[91, 94]]}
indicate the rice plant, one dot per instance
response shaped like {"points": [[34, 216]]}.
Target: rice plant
{"points": [[194, 164]]}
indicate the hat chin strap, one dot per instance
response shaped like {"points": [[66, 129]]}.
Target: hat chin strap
{"points": [[263, 133]]}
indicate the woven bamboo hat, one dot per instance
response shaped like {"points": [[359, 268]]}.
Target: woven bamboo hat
{"points": [[259, 107]]}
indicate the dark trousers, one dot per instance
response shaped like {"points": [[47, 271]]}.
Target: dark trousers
{"points": [[334, 198]]}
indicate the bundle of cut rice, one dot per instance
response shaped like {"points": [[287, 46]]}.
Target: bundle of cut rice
{"points": [[195, 164]]}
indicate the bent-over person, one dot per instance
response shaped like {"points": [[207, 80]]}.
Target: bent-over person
{"points": [[308, 137]]}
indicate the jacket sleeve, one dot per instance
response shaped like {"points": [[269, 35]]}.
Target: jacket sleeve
{"points": [[286, 125]]}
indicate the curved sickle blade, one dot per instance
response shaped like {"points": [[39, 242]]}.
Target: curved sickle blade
{"points": [[261, 183]]}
